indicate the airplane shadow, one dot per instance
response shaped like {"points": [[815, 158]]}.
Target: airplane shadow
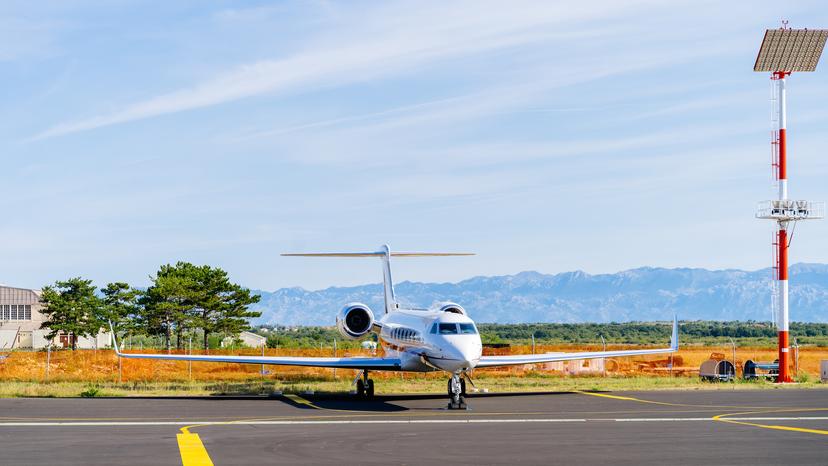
{"points": [[349, 402], [388, 403]]}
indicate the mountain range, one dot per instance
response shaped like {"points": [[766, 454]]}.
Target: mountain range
{"points": [[641, 294]]}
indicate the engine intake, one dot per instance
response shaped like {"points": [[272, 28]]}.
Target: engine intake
{"points": [[454, 308], [354, 321]]}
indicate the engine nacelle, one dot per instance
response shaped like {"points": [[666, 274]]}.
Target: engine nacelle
{"points": [[454, 308], [354, 320]]}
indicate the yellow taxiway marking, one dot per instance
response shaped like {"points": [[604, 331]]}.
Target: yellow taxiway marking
{"points": [[723, 418], [628, 398], [302, 401], [192, 450]]}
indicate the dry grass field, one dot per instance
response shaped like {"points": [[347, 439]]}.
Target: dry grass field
{"points": [[70, 373]]}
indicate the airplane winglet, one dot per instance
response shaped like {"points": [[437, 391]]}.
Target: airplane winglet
{"points": [[114, 340], [674, 341]]}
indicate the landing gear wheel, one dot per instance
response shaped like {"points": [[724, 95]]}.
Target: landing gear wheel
{"points": [[369, 389], [456, 392], [360, 388], [463, 388]]}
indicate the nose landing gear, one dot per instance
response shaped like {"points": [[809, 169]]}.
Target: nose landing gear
{"points": [[457, 392]]}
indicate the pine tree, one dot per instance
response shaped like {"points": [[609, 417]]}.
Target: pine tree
{"points": [[72, 307]]}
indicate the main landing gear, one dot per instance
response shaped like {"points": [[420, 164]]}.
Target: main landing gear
{"points": [[457, 392], [364, 385]]}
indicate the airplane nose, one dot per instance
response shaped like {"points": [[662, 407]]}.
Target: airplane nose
{"points": [[469, 357]]}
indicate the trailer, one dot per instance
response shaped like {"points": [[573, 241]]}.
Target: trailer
{"points": [[717, 370], [755, 370]]}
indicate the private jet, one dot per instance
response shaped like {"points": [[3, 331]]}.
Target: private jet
{"points": [[441, 338]]}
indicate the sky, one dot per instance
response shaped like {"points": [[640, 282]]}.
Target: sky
{"points": [[550, 136]]}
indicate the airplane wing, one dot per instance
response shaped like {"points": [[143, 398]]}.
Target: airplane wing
{"points": [[374, 364], [511, 360]]}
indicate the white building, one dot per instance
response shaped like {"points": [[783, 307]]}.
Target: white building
{"points": [[20, 320], [248, 339]]}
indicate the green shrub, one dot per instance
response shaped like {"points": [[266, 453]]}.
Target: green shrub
{"points": [[90, 392]]}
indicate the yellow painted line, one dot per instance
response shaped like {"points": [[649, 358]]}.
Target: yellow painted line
{"points": [[723, 418], [629, 398], [192, 450], [301, 401]]}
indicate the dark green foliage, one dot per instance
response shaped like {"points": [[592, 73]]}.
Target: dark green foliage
{"points": [[72, 307], [182, 299], [90, 392], [120, 306], [691, 332], [648, 332]]}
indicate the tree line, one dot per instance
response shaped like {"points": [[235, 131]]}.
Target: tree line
{"points": [[181, 299], [642, 332], [690, 332]]}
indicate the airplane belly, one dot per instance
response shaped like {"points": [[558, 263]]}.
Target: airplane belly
{"points": [[413, 363]]}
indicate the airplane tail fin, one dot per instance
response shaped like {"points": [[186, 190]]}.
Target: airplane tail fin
{"points": [[385, 254]]}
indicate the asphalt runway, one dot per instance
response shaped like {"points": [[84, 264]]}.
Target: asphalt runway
{"points": [[620, 428]]}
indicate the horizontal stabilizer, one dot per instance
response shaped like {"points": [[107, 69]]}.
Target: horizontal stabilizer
{"points": [[378, 254]]}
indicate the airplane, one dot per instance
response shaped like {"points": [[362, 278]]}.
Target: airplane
{"points": [[441, 338]]}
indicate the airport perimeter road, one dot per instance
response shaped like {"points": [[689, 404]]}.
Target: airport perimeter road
{"points": [[629, 428]]}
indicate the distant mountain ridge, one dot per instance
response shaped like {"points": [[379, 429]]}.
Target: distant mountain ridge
{"points": [[644, 293]]}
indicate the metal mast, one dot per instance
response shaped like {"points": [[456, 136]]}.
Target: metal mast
{"points": [[784, 51]]}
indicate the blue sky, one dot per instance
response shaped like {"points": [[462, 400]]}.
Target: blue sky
{"points": [[549, 136]]}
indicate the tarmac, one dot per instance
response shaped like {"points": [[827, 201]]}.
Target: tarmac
{"points": [[785, 426]]}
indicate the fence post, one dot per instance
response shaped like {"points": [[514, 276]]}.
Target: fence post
{"points": [[796, 358], [604, 360], [48, 359]]}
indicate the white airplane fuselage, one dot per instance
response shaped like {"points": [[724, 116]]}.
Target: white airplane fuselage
{"points": [[429, 340]]}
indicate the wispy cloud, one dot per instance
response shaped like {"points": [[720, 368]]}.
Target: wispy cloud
{"points": [[388, 42]]}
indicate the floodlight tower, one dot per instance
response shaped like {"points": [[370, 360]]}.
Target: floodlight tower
{"points": [[783, 52]]}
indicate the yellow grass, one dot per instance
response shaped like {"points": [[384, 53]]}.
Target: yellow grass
{"points": [[24, 373]]}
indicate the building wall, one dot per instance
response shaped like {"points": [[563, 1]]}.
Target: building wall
{"points": [[21, 317], [249, 339]]}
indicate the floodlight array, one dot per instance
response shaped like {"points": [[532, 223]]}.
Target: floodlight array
{"points": [[789, 50]]}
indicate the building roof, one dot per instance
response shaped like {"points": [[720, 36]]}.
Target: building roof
{"points": [[252, 335]]}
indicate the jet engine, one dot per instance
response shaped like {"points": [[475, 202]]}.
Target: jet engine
{"points": [[454, 308], [354, 320]]}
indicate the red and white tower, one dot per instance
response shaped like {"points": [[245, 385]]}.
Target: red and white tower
{"points": [[783, 52]]}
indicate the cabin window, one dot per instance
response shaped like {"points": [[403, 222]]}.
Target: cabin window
{"points": [[448, 329], [468, 329]]}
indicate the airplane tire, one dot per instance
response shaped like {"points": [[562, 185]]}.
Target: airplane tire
{"points": [[360, 388], [369, 389]]}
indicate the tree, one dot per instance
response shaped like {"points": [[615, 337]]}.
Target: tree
{"points": [[168, 302], [219, 305], [235, 316], [121, 307], [184, 296], [72, 307]]}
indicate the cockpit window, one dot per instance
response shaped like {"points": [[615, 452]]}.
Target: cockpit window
{"points": [[434, 329], [448, 329], [468, 329]]}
